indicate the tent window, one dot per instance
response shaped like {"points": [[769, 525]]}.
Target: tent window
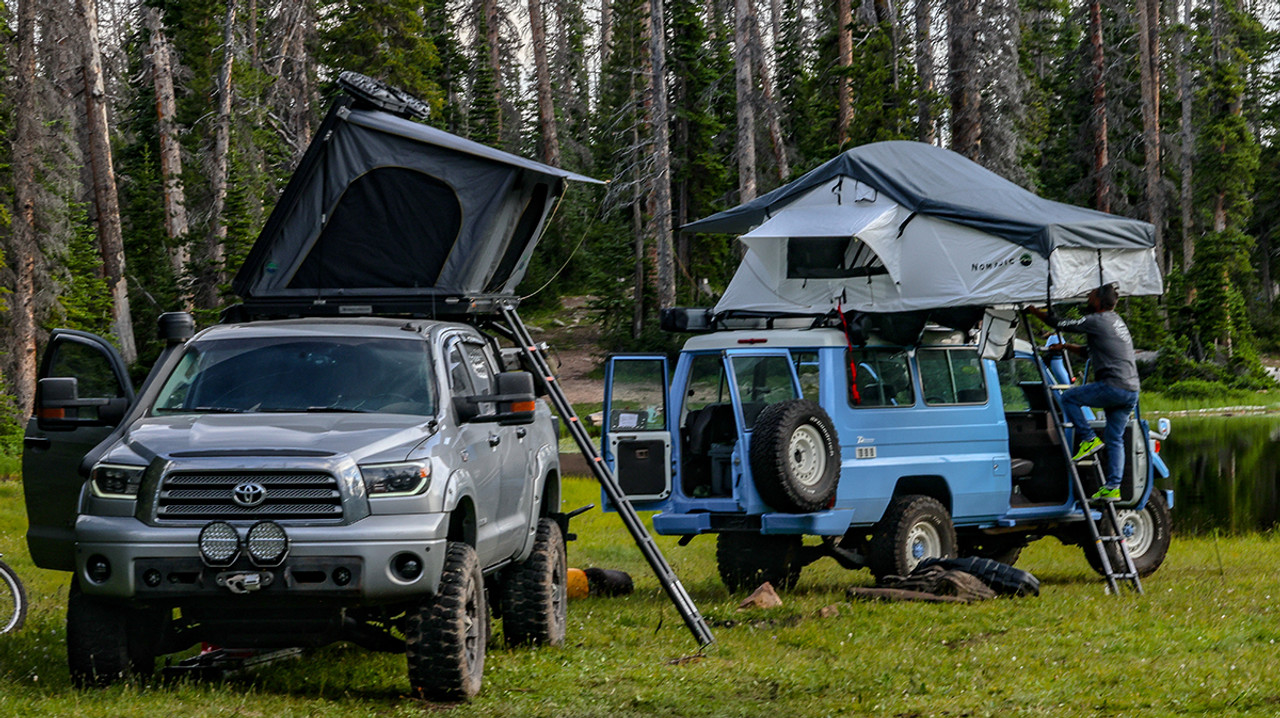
{"points": [[393, 227], [829, 258]]}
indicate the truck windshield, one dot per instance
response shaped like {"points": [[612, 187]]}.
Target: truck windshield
{"points": [[292, 374]]}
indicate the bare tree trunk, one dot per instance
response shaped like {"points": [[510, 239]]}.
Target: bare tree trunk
{"points": [[1185, 98], [23, 246], [927, 129], [546, 108], [1149, 61], [660, 197], [966, 101], [606, 32], [745, 86], [175, 201], [106, 201], [773, 118], [214, 246], [1101, 170], [844, 52], [491, 19]]}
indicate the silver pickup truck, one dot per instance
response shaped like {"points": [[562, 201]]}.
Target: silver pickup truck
{"points": [[347, 456], [295, 483]]}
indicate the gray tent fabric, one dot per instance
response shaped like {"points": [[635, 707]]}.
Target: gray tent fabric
{"points": [[385, 206], [943, 184]]}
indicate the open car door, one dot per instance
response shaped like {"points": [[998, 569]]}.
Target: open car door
{"points": [[637, 439], [82, 393]]}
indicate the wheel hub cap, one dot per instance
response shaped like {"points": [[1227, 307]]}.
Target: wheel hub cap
{"points": [[808, 459]]}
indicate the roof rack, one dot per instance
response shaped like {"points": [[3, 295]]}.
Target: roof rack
{"points": [[440, 306]]}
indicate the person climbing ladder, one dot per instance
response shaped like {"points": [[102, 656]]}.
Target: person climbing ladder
{"points": [[1115, 386]]}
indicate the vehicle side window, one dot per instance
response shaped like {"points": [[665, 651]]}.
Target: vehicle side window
{"points": [[481, 367], [951, 376], [807, 371], [460, 382], [883, 378], [91, 367]]}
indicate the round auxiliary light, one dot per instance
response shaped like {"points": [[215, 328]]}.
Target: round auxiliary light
{"points": [[219, 543], [267, 543]]}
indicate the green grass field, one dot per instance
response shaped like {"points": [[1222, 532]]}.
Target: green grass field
{"points": [[1201, 642]]}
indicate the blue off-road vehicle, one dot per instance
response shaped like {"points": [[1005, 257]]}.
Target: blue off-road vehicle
{"points": [[859, 379], [889, 453]]}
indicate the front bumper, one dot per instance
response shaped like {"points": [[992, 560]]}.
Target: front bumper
{"points": [[319, 558]]}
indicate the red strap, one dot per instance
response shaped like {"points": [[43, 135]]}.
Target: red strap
{"points": [[853, 365]]}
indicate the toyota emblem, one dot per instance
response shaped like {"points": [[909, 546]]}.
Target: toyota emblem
{"points": [[249, 494]]}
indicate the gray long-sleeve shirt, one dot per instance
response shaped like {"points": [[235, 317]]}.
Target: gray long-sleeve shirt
{"points": [[1110, 347]]}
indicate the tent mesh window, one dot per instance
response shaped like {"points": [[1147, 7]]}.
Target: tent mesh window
{"points": [[404, 244]]}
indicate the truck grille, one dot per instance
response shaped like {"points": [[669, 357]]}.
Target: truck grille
{"points": [[196, 496]]}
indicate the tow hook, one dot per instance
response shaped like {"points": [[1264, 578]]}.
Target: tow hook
{"points": [[245, 582]]}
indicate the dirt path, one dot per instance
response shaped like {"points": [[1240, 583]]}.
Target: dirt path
{"points": [[574, 355]]}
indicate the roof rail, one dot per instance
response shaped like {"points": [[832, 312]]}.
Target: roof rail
{"points": [[439, 306]]}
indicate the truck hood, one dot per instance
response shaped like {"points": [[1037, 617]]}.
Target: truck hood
{"points": [[364, 437]]}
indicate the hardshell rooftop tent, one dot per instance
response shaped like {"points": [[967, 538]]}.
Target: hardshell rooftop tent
{"points": [[906, 226], [390, 211]]}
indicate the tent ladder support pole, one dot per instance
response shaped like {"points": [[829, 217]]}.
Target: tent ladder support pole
{"points": [[666, 575]]}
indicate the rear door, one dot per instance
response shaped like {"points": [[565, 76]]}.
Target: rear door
{"points": [[56, 442], [637, 438]]}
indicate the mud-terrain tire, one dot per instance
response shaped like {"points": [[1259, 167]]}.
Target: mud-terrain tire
{"points": [[1148, 533], [1004, 579], [446, 634], [795, 456], [746, 560], [98, 652], [535, 593], [1005, 548], [914, 527]]}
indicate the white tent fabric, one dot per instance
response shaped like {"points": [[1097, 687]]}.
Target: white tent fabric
{"points": [[929, 262]]}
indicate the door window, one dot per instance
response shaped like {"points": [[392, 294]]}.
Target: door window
{"points": [[636, 399], [952, 376], [707, 383], [97, 378], [761, 381]]}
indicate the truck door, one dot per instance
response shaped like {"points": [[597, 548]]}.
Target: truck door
{"points": [[637, 439], [480, 445], [71, 418]]}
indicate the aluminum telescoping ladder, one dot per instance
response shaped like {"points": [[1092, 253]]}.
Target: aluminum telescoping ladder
{"points": [[1109, 541], [1113, 536], [666, 576]]}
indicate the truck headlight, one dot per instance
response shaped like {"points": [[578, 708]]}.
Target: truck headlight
{"points": [[399, 479], [116, 481]]}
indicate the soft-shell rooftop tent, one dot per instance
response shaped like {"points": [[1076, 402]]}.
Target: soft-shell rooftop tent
{"points": [[904, 226], [387, 208]]}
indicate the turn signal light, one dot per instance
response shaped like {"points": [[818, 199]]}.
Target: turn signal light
{"points": [[524, 406]]}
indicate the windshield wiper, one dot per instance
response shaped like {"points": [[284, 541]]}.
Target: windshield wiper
{"points": [[204, 410], [313, 410]]}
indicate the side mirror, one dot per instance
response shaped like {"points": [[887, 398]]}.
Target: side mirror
{"points": [[60, 408], [515, 402]]}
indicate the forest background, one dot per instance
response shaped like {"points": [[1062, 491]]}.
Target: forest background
{"points": [[144, 143]]}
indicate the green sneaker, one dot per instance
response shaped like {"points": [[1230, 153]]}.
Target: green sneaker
{"points": [[1106, 493], [1088, 448]]}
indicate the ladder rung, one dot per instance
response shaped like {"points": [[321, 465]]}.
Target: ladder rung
{"points": [[1111, 538]]}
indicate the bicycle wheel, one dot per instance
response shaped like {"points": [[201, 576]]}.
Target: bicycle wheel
{"points": [[13, 600]]}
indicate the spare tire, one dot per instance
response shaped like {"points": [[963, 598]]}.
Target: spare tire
{"points": [[1004, 579], [795, 456]]}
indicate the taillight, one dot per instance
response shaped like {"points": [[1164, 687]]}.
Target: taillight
{"points": [[1156, 445]]}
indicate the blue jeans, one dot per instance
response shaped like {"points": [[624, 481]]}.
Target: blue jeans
{"points": [[1117, 403]]}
